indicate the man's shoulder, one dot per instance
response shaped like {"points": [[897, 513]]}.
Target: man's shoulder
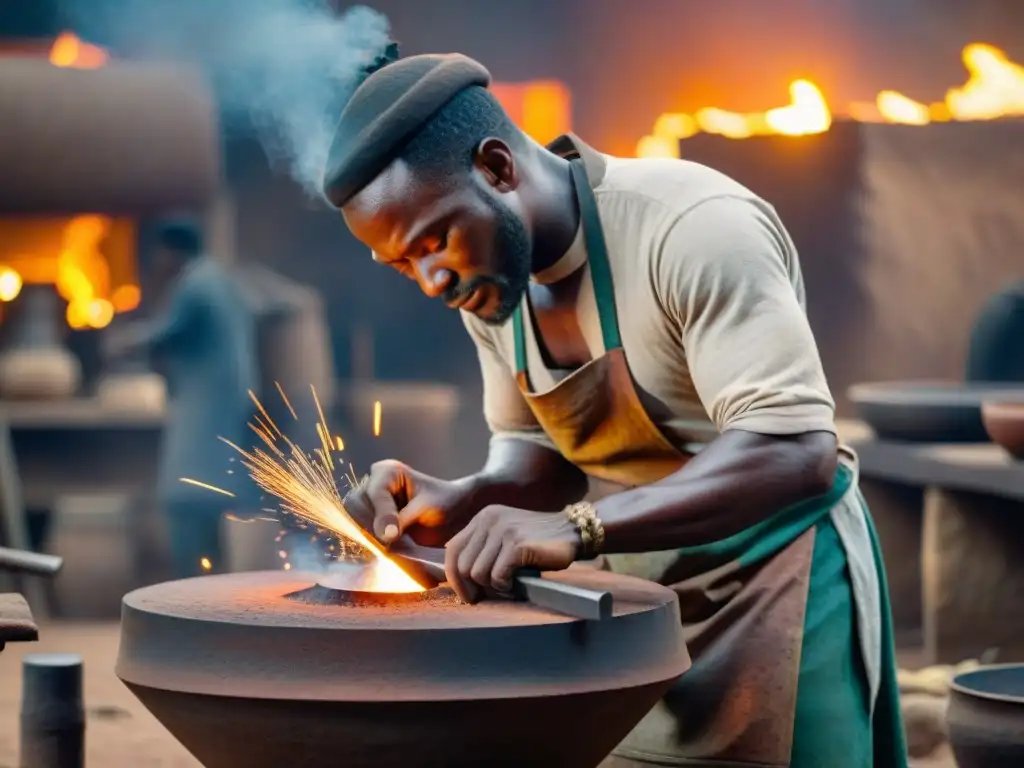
{"points": [[673, 186]]}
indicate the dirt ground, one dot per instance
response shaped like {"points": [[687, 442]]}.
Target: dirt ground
{"points": [[120, 733]]}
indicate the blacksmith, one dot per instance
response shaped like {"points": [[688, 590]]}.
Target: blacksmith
{"points": [[615, 304], [205, 339]]}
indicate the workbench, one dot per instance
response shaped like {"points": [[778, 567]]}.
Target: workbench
{"points": [[65, 447], [951, 522]]}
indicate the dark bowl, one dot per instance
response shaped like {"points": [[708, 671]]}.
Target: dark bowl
{"points": [[928, 411], [986, 717], [1004, 422]]}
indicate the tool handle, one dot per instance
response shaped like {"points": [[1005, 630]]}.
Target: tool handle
{"points": [[560, 597], [32, 563]]}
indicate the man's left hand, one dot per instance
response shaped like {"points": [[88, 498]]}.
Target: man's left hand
{"points": [[498, 540]]}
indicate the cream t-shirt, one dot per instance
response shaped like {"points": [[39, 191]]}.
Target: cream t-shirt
{"points": [[710, 304]]}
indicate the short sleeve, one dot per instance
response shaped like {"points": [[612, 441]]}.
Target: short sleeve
{"points": [[725, 276], [505, 409]]}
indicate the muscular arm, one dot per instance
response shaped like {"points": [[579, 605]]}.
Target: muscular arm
{"points": [[525, 474], [725, 277], [734, 483]]}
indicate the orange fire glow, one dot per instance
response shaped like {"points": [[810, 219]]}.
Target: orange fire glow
{"points": [[71, 255], [542, 109], [69, 51], [995, 89], [78, 268]]}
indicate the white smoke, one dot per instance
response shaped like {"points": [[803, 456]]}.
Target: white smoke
{"points": [[282, 67]]}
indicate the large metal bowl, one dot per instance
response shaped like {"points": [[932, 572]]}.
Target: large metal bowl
{"points": [[986, 717], [928, 411]]}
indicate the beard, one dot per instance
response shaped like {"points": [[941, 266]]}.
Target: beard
{"points": [[512, 275]]}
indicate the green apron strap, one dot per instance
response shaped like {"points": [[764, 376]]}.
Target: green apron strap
{"points": [[600, 271], [520, 337]]}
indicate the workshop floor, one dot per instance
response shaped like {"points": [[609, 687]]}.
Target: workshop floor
{"points": [[120, 733]]}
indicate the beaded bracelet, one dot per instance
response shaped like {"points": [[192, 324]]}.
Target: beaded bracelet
{"points": [[583, 515]]}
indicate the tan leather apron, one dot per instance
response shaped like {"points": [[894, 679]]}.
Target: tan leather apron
{"points": [[743, 616]]}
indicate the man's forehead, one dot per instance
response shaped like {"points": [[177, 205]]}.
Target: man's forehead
{"points": [[391, 206], [392, 186]]}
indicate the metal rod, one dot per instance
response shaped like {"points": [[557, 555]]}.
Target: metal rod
{"points": [[564, 598], [32, 563], [425, 565]]}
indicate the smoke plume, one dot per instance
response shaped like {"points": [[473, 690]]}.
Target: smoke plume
{"points": [[283, 68]]}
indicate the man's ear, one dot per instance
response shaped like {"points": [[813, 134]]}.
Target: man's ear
{"points": [[494, 159]]}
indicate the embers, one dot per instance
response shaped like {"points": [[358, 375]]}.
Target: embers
{"points": [[320, 594]]}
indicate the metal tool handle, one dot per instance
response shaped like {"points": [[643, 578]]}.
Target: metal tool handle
{"points": [[562, 598], [32, 563], [426, 565]]}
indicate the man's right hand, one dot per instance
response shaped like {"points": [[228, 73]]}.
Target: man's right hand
{"points": [[396, 499]]}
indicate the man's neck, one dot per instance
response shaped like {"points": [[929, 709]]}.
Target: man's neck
{"points": [[556, 215]]}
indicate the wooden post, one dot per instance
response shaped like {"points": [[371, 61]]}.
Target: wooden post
{"points": [[973, 573]]}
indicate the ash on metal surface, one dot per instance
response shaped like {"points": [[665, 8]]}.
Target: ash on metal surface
{"points": [[320, 595]]}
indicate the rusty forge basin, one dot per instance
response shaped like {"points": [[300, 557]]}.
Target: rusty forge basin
{"points": [[270, 669]]}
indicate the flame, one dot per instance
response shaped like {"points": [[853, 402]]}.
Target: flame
{"points": [[68, 51], [377, 412], [10, 284], [995, 89], [125, 298], [80, 271], [305, 486], [205, 563]]}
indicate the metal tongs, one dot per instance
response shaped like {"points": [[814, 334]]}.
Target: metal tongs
{"points": [[426, 566]]}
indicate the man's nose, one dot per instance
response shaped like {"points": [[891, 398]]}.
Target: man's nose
{"points": [[433, 276]]}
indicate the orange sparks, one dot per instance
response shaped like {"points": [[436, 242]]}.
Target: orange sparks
{"points": [[305, 485], [325, 445], [319, 410], [205, 563], [339, 444], [287, 402], [376, 418], [269, 421], [206, 486]]}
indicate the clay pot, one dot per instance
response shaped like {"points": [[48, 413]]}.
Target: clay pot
{"points": [[35, 364], [39, 374], [1004, 423], [986, 717], [928, 412], [246, 675], [133, 392]]}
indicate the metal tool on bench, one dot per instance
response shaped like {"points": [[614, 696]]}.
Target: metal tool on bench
{"points": [[29, 563], [426, 565]]}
